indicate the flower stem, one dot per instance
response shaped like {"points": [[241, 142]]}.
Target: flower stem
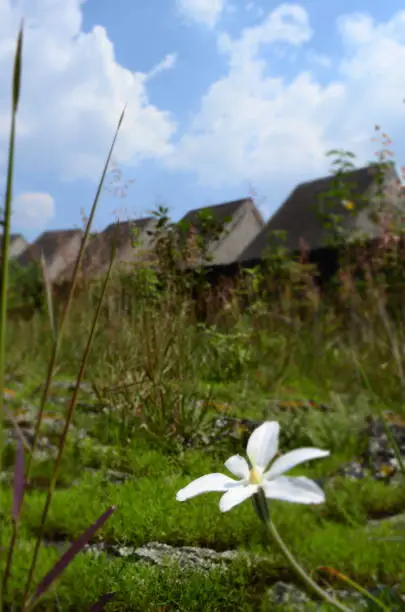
{"points": [[311, 584]]}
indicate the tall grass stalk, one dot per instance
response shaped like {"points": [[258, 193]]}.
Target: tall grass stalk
{"points": [[21, 479], [49, 300], [16, 87], [57, 339], [68, 421], [68, 303]]}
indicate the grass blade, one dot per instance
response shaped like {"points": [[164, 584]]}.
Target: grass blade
{"points": [[5, 254], [66, 310], [101, 603], [19, 481], [18, 69], [18, 496], [49, 298], [17, 428], [68, 421], [58, 336], [355, 586], [68, 556]]}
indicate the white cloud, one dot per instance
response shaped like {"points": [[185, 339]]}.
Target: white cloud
{"points": [[32, 211], [257, 126], [167, 63], [204, 12], [372, 70], [249, 123], [288, 23], [73, 93], [319, 59], [252, 7]]}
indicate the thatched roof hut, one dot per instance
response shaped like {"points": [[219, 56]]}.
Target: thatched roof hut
{"points": [[131, 239], [59, 249], [301, 214], [240, 221]]}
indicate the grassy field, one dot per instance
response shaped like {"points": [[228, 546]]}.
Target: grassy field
{"points": [[118, 408], [127, 448]]}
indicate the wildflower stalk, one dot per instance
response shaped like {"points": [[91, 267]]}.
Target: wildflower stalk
{"points": [[261, 508]]}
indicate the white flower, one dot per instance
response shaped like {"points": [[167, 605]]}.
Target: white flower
{"points": [[261, 449]]}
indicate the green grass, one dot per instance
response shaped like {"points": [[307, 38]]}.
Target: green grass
{"points": [[333, 534], [147, 511], [139, 587]]}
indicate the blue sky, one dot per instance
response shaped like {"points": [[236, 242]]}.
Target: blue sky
{"points": [[226, 98]]}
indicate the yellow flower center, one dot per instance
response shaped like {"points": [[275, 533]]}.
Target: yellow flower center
{"points": [[255, 476]]}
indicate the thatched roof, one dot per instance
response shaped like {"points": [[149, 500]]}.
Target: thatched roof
{"points": [[222, 213], [50, 244], [15, 249], [298, 217], [216, 227], [97, 255], [13, 238]]}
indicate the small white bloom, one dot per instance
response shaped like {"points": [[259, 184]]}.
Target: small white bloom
{"points": [[261, 449]]}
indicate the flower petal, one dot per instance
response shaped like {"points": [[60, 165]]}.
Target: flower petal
{"points": [[205, 484], [238, 466], [236, 496], [298, 490], [263, 444], [293, 458]]}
